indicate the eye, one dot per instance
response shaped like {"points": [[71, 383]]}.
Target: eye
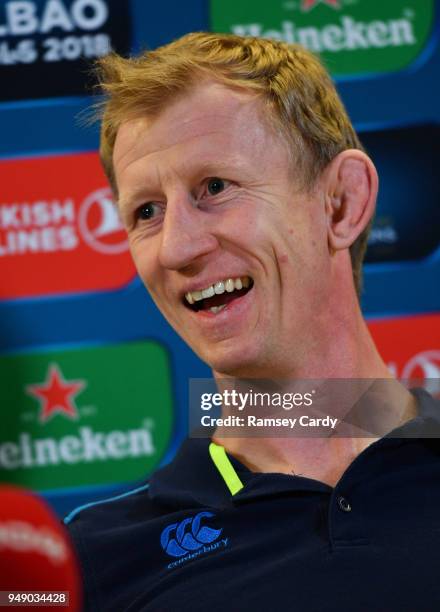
{"points": [[147, 211], [216, 185]]}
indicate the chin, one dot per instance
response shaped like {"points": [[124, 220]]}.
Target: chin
{"points": [[238, 362]]}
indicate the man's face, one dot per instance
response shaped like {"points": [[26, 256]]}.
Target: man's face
{"points": [[208, 194]]}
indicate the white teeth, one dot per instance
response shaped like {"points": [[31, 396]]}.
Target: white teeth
{"points": [[229, 285], [219, 287], [216, 309], [209, 292]]}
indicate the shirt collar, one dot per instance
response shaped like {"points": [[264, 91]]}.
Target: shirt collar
{"points": [[427, 422], [191, 479], [194, 479]]}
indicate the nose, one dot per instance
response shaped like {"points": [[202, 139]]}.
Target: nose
{"points": [[186, 234]]}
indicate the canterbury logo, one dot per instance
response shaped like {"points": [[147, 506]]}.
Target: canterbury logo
{"points": [[189, 535]]}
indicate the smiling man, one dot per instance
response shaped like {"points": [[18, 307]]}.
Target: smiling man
{"points": [[247, 199]]}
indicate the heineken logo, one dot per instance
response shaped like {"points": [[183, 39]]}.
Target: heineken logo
{"points": [[109, 408], [83, 446], [56, 395], [347, 34], [306, 5], [352, 36]]}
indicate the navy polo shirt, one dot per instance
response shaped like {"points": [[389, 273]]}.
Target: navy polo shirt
{"points": [[184, 542]]}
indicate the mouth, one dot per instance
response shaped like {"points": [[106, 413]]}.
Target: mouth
{"points": [[214, 298]]}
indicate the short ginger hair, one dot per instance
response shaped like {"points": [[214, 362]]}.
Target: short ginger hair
{"points": [[301, 99]]}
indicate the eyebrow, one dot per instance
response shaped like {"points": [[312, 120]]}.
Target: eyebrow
{"points": [[126, 206], [205, 170]]}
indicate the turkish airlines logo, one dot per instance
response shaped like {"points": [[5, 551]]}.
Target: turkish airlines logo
{"points": [[424, 365], [58, 219], [408, 346], [48, 226], [100, 225]]}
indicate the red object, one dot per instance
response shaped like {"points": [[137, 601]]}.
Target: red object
{"points": [[309, 4], [35, 551], [410, 346], [59, 228], [56, 394]]}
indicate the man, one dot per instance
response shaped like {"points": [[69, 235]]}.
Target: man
{"points": [[247, 200]]}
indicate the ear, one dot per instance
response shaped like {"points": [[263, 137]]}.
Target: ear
{"points": [[350, 188]]}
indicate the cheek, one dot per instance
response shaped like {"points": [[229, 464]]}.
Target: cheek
{"points": [[309, 233], [254, 225], [143, 258]]}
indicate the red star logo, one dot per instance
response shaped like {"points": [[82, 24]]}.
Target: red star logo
{"points": [[56, 394], [309, 4]]}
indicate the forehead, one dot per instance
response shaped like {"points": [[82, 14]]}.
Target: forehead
{"points": [[212, 120]]}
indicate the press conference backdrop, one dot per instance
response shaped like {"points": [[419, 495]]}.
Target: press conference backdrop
{"points": [[93, 383]]}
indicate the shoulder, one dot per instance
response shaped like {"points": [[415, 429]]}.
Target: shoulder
{"points": [[121, 541], [103, 533], [114, 508], [427, 422]]}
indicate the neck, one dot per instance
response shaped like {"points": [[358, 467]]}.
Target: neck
{"points": [[381, 406], [348, 354]]}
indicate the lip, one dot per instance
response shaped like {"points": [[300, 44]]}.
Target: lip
{"points": [[234, 311]]}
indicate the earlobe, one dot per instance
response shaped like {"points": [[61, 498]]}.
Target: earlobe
{"points": [[351, 191]]}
